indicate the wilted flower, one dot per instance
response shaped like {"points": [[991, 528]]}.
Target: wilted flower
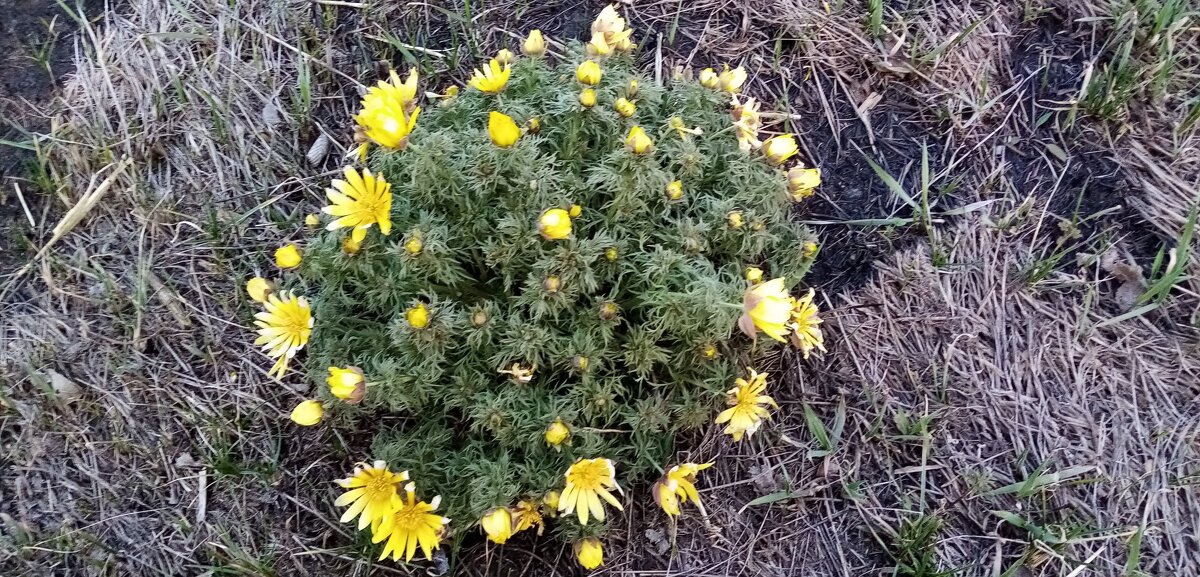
{"points": [[535, 44], [732, 80], [589, 481], [557, 433], [766, 307], [637, 142], [709, 78], [778, 149], [525, 515], [624, 107], [754, 274], [554, 224], [359, 202], [287, 256], [747, 403], [677, 486], [589, 73], [417, 317], [587, 98], [589, 552], [347, 384], [674, 190], [283, 328], [611, 25], [502, 129], [805, 325], [492, 78], [259, 288], [308, 413], [412, 523], [746, 122], [803, 181], [505, 57], [370, 493], [518, 373], [498, 524]]}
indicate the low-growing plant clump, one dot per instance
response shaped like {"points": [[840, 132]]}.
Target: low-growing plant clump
{"points": [[543, 282]]}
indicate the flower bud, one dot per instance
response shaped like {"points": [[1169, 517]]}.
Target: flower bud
{"points": [[505, 57], [312, 221], [533, 125], [754, 275], [631, 89], [637, 142], [575, 211], [259, 288], [675, 190], [551, 284], [498, 525], [589, 73], [556, 434], [554, 224], [609, 310], [351, 246], [308, 413], [347, 384], [534, 45], [802, 182], [778, 149], [708, 78], [414, 245], [287, 256], [479, 318], [611, 254], [417, 317], [625, 108], [502, 130], [735, 219], [587, 98]]}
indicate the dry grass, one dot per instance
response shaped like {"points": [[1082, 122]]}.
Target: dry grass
{"points": [[171, 455]]}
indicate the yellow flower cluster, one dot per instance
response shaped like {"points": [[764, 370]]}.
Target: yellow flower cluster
{"points": [[768, 307], [406, 523]]}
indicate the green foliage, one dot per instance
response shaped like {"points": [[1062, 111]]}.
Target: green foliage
{"points": [[463, 429]]}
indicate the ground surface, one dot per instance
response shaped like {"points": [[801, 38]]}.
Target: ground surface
{"points": [[999, 397]]}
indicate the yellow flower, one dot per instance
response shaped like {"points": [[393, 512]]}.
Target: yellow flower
{"points": [[747, 406], [806, 330], [502, 130], [631, 88], [709, 78], [734, 218], [637, 142], [526, 515], [732, 80], [308, 413], [779, 148], [554, 224], [753, 274], [589, 73], [518, 373], [360, 201], [347, 384], [551, 284], [388, 113], [674, 190], [766, 307], [809, 249], [678, 486], [417, 317], [259, 288], [611, 253], [534, 45], [589, 552], [312, 221], [287, 256], [491, 78], [557, 433], [351, 245], [802, 182], [370, 493], [677, 123], [709, 351], [498, 524], [414, 245], [283, 328], [550, 500], [505, 57], [587, 98], [598, 46], [589, 481], [611, 25], [412, 523], [624, 107], [575, 211]]}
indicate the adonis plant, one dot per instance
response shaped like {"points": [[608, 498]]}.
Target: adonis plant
{"points": [[533, 283]]}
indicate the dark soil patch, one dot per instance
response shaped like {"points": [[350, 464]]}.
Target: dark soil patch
{"points": [[35, 52]]}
